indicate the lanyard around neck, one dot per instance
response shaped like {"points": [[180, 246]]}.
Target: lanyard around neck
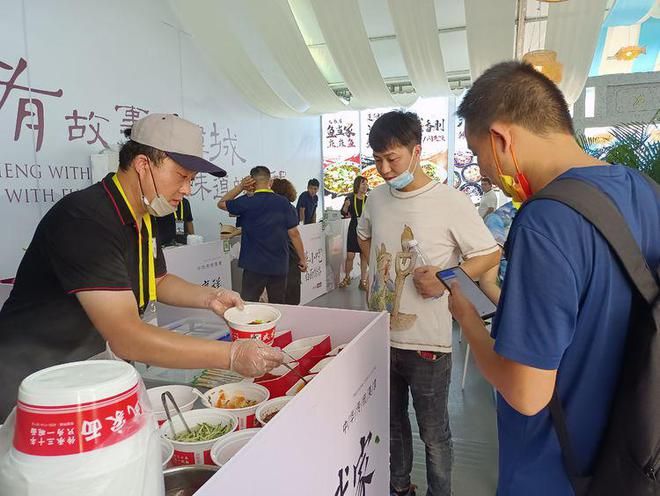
{"points": [[266, 190], [364, 200], [178, 215], [151, 266]]}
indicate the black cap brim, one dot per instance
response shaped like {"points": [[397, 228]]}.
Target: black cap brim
{"points": [[197, 164]]}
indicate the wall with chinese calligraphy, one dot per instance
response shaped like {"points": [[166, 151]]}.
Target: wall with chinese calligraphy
{"points": [[72, 77]]}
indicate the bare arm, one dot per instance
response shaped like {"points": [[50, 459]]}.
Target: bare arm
{"points": [[488, 283], [246, 184], [172, 290], [476, 266], [189, 228], [115, 315], [345, 207], [301, 214]]}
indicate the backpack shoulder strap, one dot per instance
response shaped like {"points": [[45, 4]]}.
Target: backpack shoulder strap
{"points": [[599, 210]]}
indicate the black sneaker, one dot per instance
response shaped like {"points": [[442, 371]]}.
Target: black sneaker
{"points": [[406, 492]]}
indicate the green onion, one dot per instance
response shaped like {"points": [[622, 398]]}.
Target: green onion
{"points": [[202, 432]]}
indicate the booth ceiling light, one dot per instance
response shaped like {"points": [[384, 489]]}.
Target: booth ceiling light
{"points": [[545, 61], [629, 52]]}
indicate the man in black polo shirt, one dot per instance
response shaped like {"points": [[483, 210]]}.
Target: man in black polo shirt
{"points": [[174, 228], [268, 222], [93, 266], [308, 201]]}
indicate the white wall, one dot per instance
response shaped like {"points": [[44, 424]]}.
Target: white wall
{"points": [[123, 52]]}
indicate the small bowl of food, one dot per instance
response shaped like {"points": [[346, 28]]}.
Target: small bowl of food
{"points": [[241, 399], [270, 408], [253, 322], [207, 425]]}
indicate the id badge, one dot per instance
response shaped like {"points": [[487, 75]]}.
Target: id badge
{"points": [[180, 228], [149, 316]]}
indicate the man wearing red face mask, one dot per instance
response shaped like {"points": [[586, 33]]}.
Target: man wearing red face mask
{"points": [[566, 303]]}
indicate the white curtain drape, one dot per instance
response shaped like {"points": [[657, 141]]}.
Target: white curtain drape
{"points": [[490, 28], [572, 32], [346, 38], [212, 32], [275, 23], [417, 32]]}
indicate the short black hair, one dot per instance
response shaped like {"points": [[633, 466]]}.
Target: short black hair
{"points": [[313, 182], [516, 93], [131, 149], [487, 179], [260, 172], [395, 128]]}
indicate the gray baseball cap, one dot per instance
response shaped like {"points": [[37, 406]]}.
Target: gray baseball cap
{"points": [[180, 139]]}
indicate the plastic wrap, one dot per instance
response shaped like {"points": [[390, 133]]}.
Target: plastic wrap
{"points": [[109, 446]]}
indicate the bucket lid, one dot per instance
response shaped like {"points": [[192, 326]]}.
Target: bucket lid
{"points": [[77, 383]]}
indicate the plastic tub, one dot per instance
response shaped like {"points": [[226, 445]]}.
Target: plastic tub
{"points": [[246, 416], [198, 452], [241, 327], [229, 445], [166, 451], [184, 396], [81, 428]]}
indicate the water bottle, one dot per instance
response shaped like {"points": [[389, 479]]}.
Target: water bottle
{"points": [[414, 247]]}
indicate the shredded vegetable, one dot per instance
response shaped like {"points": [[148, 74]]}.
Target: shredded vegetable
{"points": [[202, 432]]}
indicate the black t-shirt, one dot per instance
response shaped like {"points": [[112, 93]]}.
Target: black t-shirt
{"points": [[167, 233], [88, 241]]}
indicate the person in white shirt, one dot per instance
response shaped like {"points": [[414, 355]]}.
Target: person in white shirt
{"points": [[489, 200], [447, 229]]}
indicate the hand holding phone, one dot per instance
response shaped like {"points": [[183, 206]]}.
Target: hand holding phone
{"points": [[484, 307]]}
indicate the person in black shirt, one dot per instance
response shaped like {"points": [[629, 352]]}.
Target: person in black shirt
{"points": [[353, 208], [174, 228], [307, 202], [92, 269], [283, 187]]}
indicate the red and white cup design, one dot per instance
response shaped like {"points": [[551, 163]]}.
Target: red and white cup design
{"points": [[267, 336], [73, 429], [242, 322]]}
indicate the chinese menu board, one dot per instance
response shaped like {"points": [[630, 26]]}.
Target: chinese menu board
{"points": [[467, 176]]}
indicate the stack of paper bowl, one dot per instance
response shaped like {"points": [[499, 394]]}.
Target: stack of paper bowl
{"points": [[80, 428]]}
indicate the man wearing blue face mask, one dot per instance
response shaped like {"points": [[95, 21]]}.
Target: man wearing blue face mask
{"points": [[447, 228]]}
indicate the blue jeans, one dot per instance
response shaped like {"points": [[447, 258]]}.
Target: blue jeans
{"points": [[428, 381]]}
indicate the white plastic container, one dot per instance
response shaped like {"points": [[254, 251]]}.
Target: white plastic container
{"points": [[271, 406], [229, 445], [321, 365], [293, 355], [199, 452], [246, 416], [166, 451], [184, 396], [240, 322], [298, 386], [80, 428]]}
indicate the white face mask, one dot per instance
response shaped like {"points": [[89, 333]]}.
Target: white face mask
{"points": [[158, 206], [405, 178]]}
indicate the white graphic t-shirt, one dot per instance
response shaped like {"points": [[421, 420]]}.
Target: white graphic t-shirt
{"points": [[447, 227]]}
